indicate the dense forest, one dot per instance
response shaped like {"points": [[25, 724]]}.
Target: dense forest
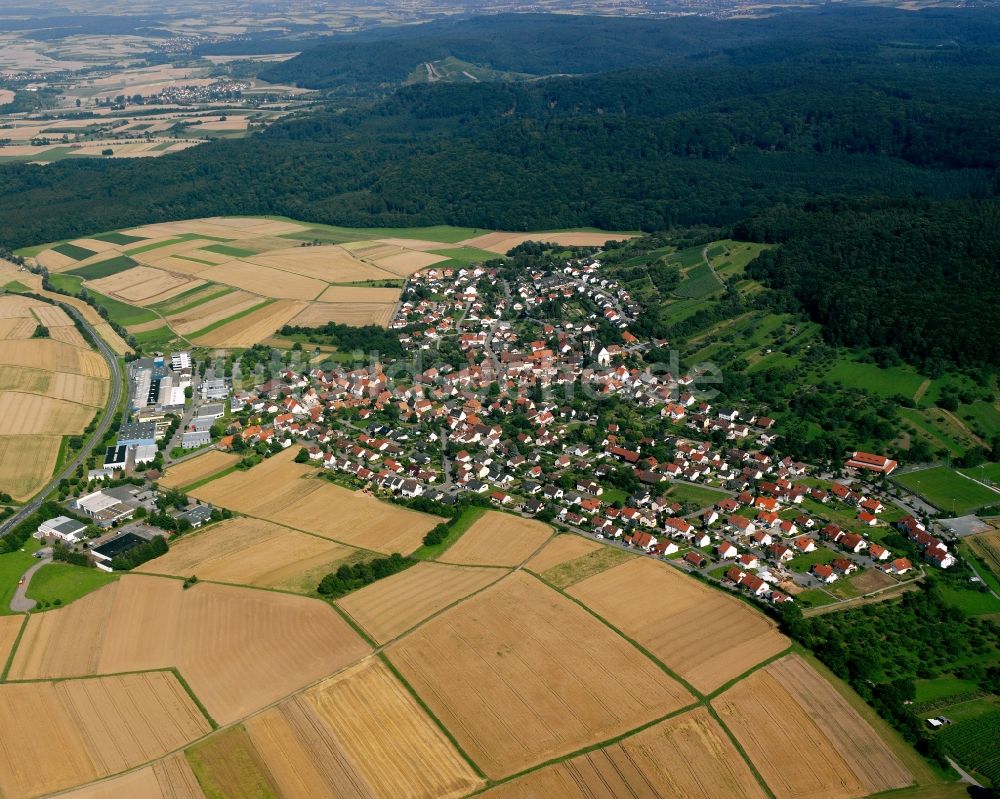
{"points": [[893, 275], [710, 142]]}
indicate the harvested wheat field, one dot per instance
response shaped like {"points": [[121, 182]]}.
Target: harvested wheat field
{"points": [[142, 283], [68, 335], [503, 242], [10, 626], [58, 385], [288, 493], [253, 552], [498, 539], [58, 735], [51, 315], [252, 328], [708, 638], [686, 757], [215, 310], [362, 294], [331, 264], [187, 472], [239, 649], [263, 280], [987, 547], [406, 263], [17, 328], [26, 464], [520, 674], [357, 314], [169, 778], [32, 414], [52, 355], [562, 548], [837, 753], [391, 606], [359, 734]]}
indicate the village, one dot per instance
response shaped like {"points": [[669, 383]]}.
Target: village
{"points": [[533, 417]]}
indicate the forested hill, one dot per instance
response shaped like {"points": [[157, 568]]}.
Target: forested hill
{"points": [[537, 45], [919, 278], [777, 122]]}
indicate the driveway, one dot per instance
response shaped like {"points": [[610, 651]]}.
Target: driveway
{"points": [[20, 603]]}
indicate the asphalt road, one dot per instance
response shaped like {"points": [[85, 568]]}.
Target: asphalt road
{"points": [[114, 396], [20, 603]]}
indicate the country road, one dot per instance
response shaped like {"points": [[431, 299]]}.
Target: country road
{"points": [[114, 396]]}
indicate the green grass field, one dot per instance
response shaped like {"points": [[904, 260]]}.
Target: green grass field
{"points": [[225, 249], [463, 256], [112, 266], [974, 603], [178, 239], [700, 281], [942, 688], [333, 234], [12, 566], [886, 382], [455, 531], [155, 339], [814, 598], [123, 313], [696, 495], [947, 490], [118, 238], [805, 561], [16, 287], [73, 251], [65, 583]]}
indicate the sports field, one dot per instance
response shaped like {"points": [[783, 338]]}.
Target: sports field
{"points": [[948, 490]]}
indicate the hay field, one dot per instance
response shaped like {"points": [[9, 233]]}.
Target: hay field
{"points": [[686, 757], [406, 263], [67, 335], [16, 328], [252, 552], [391, 606], [58, 735], [501, 242], [359, 294], [51, 315], [837, 753], [53, 355], [283, 491], [359, 734], [58, 385], [198, 468], [32, 414], [143, 283], [986, 546], [330, 263], [239, 649], [316, 314], [264, 280], [708, 638], [498, 539], [561, 549], [10, 626], [252, 328], [520, 674], [170, 778], [26, 466], [208, 313]]}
